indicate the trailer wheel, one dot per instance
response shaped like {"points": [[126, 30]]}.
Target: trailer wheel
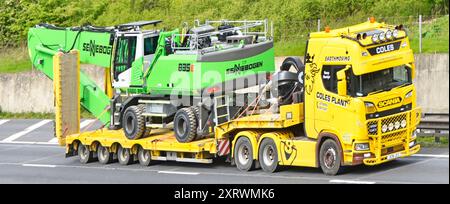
{"points": [[104, 155], [144, 157], [330, 157], [268, 156], [185, 125], [124, 156], [133, 122], [85, 155], [243, 154]]}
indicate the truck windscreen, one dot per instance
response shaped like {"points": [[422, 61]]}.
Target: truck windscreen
{"points": [[383, 80]]}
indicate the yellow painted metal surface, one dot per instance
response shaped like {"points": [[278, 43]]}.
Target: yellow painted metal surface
{"points": [[264, 121], [159, 140]]}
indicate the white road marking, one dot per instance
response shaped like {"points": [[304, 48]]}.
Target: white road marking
{"points": [[178, 172], [351, 181], [106, 167], [53, 141], [82, 125], [3, 122], [86, 123], [39, 165], [26, 131], [28, 143], [431, 155]]}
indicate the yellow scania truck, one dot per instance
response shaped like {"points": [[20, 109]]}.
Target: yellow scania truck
{"points": [[352, 102]]}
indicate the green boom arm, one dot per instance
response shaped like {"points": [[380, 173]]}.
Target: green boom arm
{"points": [[94, 48]]}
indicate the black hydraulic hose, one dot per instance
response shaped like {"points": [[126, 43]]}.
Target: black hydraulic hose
{"points": [[74, 41]]}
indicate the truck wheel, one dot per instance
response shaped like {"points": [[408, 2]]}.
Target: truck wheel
{"points": [[104, 155], [185, 125], [84, 154], [124, 156], [144, 157], [268, 156], [133, 122], [243, 154], [330, 157]]}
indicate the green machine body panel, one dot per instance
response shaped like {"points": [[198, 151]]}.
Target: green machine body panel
{"points": [[94, 48], [186, 75]]}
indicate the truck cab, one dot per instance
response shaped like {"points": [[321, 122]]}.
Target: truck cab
{"points": [[359, 92]]}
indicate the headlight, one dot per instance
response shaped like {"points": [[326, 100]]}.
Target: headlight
{"points": [[375, 38], [395, 33], [389, 34], [382, 36], [384, 128], [403, 123], [370, 107], [362, 146], [391, 126], [397, 125], [408, 95]]}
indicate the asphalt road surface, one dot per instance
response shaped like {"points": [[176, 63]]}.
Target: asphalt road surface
{"points": [[29, 154]]}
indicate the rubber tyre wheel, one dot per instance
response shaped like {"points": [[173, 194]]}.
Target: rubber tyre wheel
{"points": [[104, 155], [124, 156], [85, 155], [243, 154], [185, 125], [144, 157], [196, 110], [330, 157], [133, 122], [268, 156]]}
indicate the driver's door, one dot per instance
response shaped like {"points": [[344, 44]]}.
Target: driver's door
{"points": [[125, 54]]}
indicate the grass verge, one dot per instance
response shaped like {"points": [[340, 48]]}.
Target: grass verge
{"points": [[14, 60], [83, 114], [426, 141]]}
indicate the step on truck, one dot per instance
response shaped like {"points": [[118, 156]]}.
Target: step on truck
{"points": [[352, 102]]}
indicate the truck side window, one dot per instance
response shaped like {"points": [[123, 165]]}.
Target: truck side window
{"points": [[329, 77]]}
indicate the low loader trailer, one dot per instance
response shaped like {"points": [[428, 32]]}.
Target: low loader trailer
{"points": [[352, 102]]}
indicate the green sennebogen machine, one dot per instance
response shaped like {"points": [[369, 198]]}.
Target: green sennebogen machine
{"points": [[156, 78]]}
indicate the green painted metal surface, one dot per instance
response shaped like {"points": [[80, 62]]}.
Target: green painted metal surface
{"points": [[94, 49]]}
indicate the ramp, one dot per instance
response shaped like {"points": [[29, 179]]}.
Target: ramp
{"points": [[66, 86]]}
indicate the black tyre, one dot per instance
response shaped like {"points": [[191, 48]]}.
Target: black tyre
{"points": [[196, 110], [104, 155], [243, 154], [144, 157], [185, 125], [268, 156], [124, 156], [330, 157], [133, 122], [85, 155]]}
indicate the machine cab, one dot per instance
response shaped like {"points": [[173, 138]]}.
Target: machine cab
{"points": [[134, 51]]}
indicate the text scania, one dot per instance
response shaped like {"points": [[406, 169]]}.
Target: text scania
{"points": [[389, 102], [238, 68], [94, 48]]}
